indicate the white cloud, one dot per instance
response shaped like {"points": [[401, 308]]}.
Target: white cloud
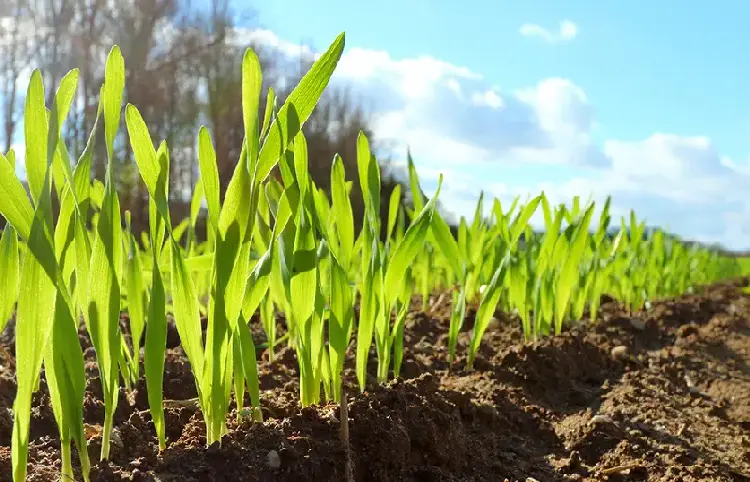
{"points": [[489, 98], [244, 37], [446, 109], [566, 31], [481, 136]]}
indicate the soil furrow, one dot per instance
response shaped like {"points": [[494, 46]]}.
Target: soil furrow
{"points": [[662, 395]]}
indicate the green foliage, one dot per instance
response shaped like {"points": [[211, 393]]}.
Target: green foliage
{"points": [[277, 245]]}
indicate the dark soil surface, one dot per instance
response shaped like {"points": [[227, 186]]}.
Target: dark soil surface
{"points": [[663, 395]]}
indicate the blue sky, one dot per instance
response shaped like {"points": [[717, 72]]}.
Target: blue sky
{"points": [[678, 59], [644, 101]]}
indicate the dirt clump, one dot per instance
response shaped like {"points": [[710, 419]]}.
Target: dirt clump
{"points": [[660, 395]]}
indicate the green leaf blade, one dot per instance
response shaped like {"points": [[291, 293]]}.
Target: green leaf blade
{"points": [[303, 98]]}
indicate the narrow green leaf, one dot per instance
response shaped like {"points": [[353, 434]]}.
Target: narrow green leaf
{"points": [[270, 105], [368, 313], [304, 98], [408, 248], [303, 280], [570, 269], [448, 244], [258, 283], [9, 273], [252, 81], [66, 380], [33, 323], [393, 207], [187, 312], [235, 212], [342, 209], [136, 296], [250, 367], [522, 220], [148, 163], [416, 191], [339, 323], [209, 175], [104, 304], [35, 133], [114, 84], [487, 306], [156, 338], [14, 202]]}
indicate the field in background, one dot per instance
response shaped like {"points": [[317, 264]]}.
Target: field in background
{"points": [[744, 262]]}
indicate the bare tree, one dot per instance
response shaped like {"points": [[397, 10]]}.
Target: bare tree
{"points": [[183, 69], [16, 47]]}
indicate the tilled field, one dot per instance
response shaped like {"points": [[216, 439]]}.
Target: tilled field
{"points": [[657, 396]]}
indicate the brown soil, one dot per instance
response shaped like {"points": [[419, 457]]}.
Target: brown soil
{"points": [[663, 398]]}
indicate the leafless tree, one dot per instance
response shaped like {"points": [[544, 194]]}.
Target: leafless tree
{"points": [[183, 69]]}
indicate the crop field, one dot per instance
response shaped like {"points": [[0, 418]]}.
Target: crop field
{"points": [[284, 342]]}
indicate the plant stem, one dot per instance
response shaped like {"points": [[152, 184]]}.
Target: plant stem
{"points": [[106, 435], [344, 418], [66, 472], [383, 365]]}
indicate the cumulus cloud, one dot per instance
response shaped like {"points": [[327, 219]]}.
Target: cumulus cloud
{"points": [[445, 111], [566, 31], [266, 38], [519, 142]]}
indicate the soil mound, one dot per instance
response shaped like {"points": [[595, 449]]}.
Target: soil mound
{"points": [[662, 395]]}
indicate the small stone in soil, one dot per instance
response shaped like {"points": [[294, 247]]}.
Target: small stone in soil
{"points": [[619, 351], [638, 323], [599, 419], [274, 461]]}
